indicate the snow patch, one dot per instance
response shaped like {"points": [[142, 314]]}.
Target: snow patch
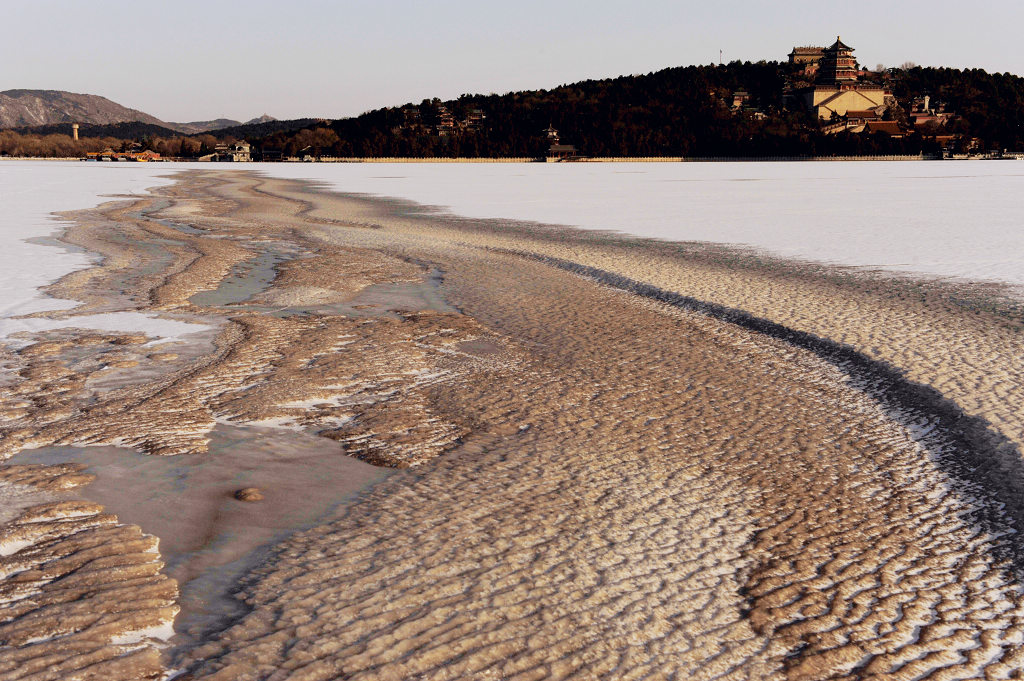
{"points": [[124, 322], [160, 632], [12, 546]]}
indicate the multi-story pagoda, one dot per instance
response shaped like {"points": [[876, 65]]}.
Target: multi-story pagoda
{"points": [[838, 87], [837, 64]]}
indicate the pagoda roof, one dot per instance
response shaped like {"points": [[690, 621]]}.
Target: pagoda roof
{"points": [[840, 45]]}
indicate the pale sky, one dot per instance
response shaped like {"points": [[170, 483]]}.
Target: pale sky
{"points": [[188, 60]]}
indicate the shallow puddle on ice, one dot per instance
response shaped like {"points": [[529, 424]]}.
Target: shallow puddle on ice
{"points": [[207, 537], [389, 299], [393, 297], [245, 280], [255, 276]]}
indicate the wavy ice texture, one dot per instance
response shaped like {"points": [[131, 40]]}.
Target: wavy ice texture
{"points": [[951, 218], [30, 192]]}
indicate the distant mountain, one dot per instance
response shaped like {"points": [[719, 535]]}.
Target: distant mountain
{"points": [[202, 126], [35, 108], [136, 130], [265, 118], [25, 108], [197, 127]]}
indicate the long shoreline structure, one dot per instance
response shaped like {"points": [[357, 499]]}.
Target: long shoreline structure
{"points": [[584, 159]]}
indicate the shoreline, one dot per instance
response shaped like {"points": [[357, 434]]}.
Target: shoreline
{"points": [[651, 457], [590, 159]]}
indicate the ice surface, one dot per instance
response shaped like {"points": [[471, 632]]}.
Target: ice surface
{"points": [[12, 546], [950, 218], [124, 322], [30, 191], [947, 218]]}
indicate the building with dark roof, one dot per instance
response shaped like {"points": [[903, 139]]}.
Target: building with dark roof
{"points": [[806, 55], [558, 151], [863, 116], [890, 128]]}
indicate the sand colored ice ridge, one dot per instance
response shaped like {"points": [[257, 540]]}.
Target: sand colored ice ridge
{"points": [[81, 594], [622, 459]]}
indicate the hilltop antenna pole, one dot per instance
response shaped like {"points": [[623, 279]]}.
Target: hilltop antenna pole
{"points": [[719, 57]]}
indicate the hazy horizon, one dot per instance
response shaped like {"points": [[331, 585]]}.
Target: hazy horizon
{"points": [[332, 60]]}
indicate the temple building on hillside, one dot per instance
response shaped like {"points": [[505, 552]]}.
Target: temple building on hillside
{"points": [[926, 114], [838, 88], [837, 64], [806, 55]]}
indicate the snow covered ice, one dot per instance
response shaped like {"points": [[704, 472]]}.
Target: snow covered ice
{"points": [[951, 218]]}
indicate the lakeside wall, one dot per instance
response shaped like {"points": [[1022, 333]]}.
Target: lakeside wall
{"points": [[411, 159], [751, 159], [629, 159], [616, 159]]}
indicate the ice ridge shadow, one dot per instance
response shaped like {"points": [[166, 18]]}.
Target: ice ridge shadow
{"points": [[984, 465]]}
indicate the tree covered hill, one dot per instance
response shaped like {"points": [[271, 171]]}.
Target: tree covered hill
{"points": [[257, 129], [682, 111], [989, 106], [672, 112]]}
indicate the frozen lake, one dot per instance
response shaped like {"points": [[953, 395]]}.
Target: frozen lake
{"points": [[952, 218], [956, 218]]}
